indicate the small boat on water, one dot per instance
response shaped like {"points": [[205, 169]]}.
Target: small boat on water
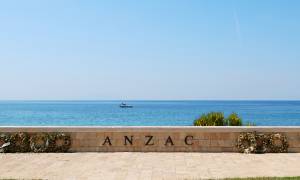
{"points": [[124, 105]]}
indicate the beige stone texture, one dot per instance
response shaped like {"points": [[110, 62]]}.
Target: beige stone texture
{"points": [[141, 166], [204, 139]]}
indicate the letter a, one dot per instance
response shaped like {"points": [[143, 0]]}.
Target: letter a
{"points": [[107, 140], [169, 141]]}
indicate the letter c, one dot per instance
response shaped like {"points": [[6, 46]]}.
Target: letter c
{"points": [[187, 139]]}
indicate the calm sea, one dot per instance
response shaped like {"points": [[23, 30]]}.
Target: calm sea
{"points": [[144, 113]]}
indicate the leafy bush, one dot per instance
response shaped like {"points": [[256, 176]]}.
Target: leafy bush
{"points": [[217, 119], [210, 119], [234, 120]]}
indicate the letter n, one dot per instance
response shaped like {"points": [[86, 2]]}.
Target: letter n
{"points": [[128, 140]]}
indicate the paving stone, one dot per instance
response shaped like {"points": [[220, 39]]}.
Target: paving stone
{"points": [[133, 165]]}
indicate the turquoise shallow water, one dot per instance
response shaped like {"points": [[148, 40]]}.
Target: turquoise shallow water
{"points": [[144, 113]]}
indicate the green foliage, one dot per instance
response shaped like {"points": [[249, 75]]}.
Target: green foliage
{"points": [[210, 119], [217, 119], [234, 120]]}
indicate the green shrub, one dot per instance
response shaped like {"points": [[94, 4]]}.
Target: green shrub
{"points": [[217, 119], [234, 120], [210, 119]]}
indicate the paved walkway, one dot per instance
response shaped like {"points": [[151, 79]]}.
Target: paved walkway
{"points": [[147, 165]]}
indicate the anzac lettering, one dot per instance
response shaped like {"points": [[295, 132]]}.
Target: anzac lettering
{"points": [[149, 140], [188, 140], [107, 140], [169, 141], [128, 140]]}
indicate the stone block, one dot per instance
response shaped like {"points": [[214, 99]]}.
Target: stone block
{"points": [[85, 135], [205, 139], [294, 143]]}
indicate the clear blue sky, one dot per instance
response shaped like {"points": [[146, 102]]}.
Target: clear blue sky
{"points": [[100, 50]]}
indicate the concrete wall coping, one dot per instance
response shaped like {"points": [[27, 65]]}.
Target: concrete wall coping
{"points": [[149, 128]]}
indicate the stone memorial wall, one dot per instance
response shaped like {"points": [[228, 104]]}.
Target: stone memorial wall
{"points": [[158, 139]]}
